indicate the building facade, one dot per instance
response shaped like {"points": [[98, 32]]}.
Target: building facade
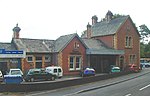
{"points": [[112, 41]]}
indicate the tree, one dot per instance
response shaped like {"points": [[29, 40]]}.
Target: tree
{"points": [[144, 32], [145, 44]]}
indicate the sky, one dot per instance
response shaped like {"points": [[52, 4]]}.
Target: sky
{"points": [[50, 19]]}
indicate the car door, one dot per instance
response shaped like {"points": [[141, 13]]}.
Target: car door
{"points": [[36, 74], [60, 73], [43, 75]]}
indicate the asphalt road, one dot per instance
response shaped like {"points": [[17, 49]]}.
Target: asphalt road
{"points": [[136, 84]]}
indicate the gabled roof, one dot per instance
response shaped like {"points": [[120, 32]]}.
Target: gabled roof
{"points": [[34, 45], [7, 46], [63, 41], [97, 47], [43, 45], [105, 27]]}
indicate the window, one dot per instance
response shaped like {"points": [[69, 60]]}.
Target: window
{"points": [[55, 70], [128, 42], [29, 58], [76, 45], [59, 70], [78, 63], [71, 63], [47, 58], [39, 58], [132, 59], [75, 62]]}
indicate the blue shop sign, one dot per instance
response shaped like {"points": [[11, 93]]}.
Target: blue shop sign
{"points": [[3, 51]]}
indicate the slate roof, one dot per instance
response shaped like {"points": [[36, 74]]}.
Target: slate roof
{"points": [[7, 46], [108, 27], [43, 45], [104, 28], [98, 47], [34, 45], [62, 41]]}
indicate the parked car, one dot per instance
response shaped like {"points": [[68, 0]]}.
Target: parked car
{"points": [[1, 76], [55, 70], [87, 71], [16, 71], [38, 74], [133, 68], [115, 69], [14, 76]]}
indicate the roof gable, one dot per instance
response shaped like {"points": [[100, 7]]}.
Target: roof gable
{"points": [[63, 41]]}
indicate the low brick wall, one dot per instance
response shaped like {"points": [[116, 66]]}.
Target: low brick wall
{"points": [[55, 85]]}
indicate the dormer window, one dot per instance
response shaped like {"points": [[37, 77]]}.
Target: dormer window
{"points": [[76, 45]]}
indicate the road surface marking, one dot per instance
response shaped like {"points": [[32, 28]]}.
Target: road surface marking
{"points": [[144, 87], [128, 95]]}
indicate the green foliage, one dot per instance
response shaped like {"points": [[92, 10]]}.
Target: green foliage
{"points": [[117, 15], [144, 47], [144, 32]]}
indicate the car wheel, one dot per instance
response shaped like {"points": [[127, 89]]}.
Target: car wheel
{"points": [[52, 78], [32, 79]]}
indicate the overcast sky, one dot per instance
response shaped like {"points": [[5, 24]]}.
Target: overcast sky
{"points": [[50, 19]]}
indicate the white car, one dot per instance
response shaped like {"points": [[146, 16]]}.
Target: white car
{"points": [[15, 72], [1, 76]]}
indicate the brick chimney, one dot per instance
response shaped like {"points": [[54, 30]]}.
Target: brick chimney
{"points": [[16, 31], [94, 19], [89, 31], [109, 16]]}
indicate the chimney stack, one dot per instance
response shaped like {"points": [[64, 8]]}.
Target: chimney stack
{"points": [[109, 16], [89, 31], [94, 19], [16, 31]]}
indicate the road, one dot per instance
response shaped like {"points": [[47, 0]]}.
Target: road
{"points": [[137, 84]]}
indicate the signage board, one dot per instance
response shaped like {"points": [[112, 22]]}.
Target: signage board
{"points": [[12, 53]]}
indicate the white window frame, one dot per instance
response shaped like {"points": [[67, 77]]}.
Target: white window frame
{"points": [[74, 57], [78, 62], [29, 56]]}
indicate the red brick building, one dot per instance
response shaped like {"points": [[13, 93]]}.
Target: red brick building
{"points": [[112, 41], [117, 33]]}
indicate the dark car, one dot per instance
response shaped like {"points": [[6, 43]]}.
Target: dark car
{"points": [[87, 71], [38, 74]]}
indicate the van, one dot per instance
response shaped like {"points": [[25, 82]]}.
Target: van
{"points": [[55, 70]]}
